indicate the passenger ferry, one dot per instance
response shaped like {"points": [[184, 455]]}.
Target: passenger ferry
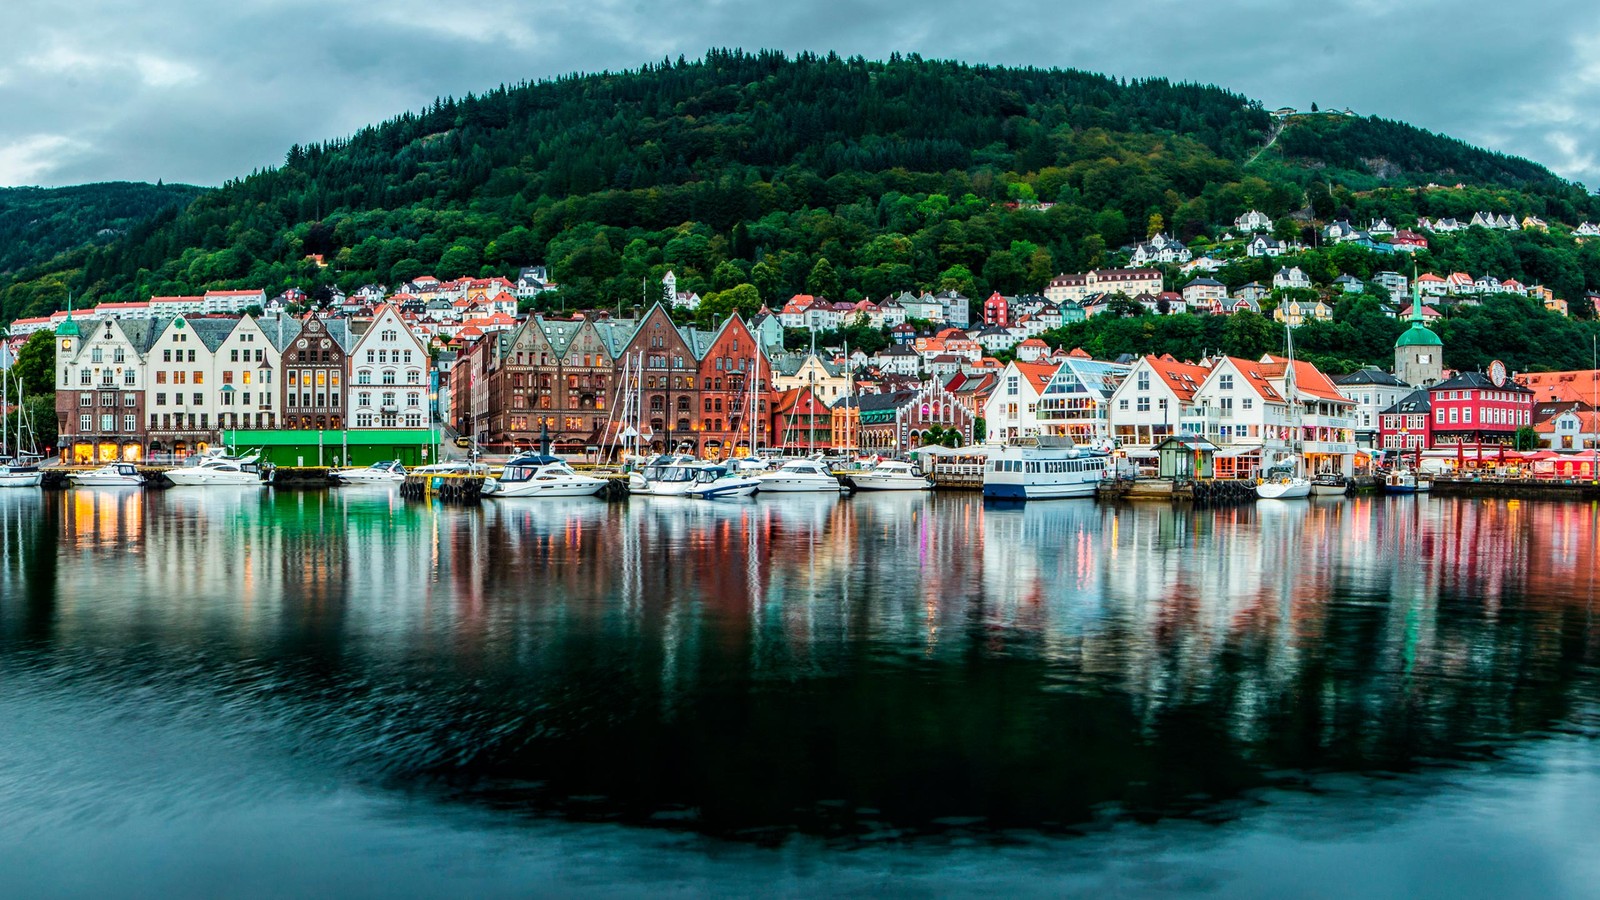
{"points": [[1049, 471]]}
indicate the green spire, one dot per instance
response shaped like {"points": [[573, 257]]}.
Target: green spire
{"points": [[68, 327], [1416, 298], [1418, 335]]}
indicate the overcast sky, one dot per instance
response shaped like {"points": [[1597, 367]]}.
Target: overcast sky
{"points": [[200, 90]]}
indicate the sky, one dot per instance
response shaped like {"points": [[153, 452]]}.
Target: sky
{"points": [[200, 91]]}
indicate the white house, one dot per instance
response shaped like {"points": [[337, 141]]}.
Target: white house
{"points": [[1372, 390], [1205, 292], [1261, 245], [1242, 407], [1290, 277], [1152, 402], [389, 367], [1011, 411], [1349, 284], [1252, 221]]}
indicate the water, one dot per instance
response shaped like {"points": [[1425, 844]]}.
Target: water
{"points": [[210, 692]]}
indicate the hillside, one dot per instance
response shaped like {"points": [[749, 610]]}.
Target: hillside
{"points": [[37, 224], [839, 176]]}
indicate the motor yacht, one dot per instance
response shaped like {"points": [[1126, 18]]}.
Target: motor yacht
{"points": [[799, 476], [386, 472], [214, 467], [889, 475], [717, 482], [113, 475], [541, 476]]}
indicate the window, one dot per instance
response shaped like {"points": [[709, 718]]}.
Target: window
{"points": [[199, 377], [1247, 404], [388, 376], [413, 377], [233, 355], [85, 423], [191, 356], [96, 355], [1466, 415], [227, 377], [365, 399], [1225, 382], [199, 399], [365, 376], [1122, 404], [166, 355], [128, 378], [130, 423], [108, 423], [86, 377], [1144, 404], [1144, 381], [85, 399], [130, 399], [413, 399]]}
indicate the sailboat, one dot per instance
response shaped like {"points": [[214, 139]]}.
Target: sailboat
{"points": [[16, 470], [1284, 481]]}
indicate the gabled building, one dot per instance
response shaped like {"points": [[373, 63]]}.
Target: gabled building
{"points": [[312, 386], [1372, 390], [391, 369], [1290, 277], [1152, 403], [1081, 286], [1011, 412], [1252, 221], [1406, 425], [1077, 401], [1474, 408]]}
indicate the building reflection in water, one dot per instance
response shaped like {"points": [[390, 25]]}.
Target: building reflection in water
{"points": [[1034, 662]]}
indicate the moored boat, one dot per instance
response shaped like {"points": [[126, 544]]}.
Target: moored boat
{"points": [[1330, 486], [889, 475], [541, 476], [1043, 473], [799, 476], [1283, 487], [668, 475], [217, 468], [113, 475], [386, 472], [16, 474], [718, 482]]}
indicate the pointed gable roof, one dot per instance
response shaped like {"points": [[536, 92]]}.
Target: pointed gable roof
{"points": [[1184, 379]]}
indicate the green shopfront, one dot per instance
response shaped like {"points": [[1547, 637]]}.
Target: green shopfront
{"points": [[355, 447]]}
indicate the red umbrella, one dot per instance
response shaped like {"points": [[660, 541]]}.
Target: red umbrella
{"points": [[1502, 460], [1461, 456]]}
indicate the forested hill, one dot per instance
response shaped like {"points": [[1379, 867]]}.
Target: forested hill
{"points": [[36, 224], [755, 168]]}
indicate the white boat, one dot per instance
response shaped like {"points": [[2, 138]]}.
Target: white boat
{"points": [[718, 482], [1283, 487], [668, 475], [216, 468], [117, 473], [388, 471], [1043, 473], [1406, 481], [17, 474], [541, 476], [1330, 486], [800, 476], [889, 475]]}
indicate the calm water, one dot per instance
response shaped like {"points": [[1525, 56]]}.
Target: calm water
{"points": [[206, 692]]}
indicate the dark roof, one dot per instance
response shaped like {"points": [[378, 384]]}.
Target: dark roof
{"points": [[1476, 381], [1370, 375], [1415, 402]]}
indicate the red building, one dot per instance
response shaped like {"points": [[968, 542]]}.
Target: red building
{"points": [[801, 421], [730, 417], [1407, 425], [1474, 408], [996, 311]]}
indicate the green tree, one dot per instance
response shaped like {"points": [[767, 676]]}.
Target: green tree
{"points": [[1525, 438], [718, 306], [824, 281], [35, 366]]}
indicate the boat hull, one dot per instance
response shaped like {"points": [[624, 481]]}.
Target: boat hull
{"points": [[1006, 491], [1328, 490], [541, 490], [1277, 491], [214, 479], [870, 483], [105, 480], [24, 479], [1400, 490], [777, 484]]}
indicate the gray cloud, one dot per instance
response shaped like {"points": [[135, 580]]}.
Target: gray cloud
{"points": [[198, 91]]}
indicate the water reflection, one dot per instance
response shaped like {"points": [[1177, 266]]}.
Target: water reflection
{"points": [[882, 664]]}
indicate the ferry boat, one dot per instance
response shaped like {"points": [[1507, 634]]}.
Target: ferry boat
{"points": [[533, 475], [1045, 472], [889, 475], [800, 476], [113, 475], [217, 468]]}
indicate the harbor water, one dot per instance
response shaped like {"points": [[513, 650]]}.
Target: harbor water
{"points": [[248, 692]]}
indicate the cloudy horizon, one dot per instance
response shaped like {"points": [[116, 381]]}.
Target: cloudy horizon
{"points": [[198, 93]]}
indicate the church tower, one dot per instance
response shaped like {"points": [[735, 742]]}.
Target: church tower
{"points": [[1418, 354]]}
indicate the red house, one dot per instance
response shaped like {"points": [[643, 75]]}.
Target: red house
{"points": [[1407, 425], [996, 311], [801, 421], [1474, 408]]}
